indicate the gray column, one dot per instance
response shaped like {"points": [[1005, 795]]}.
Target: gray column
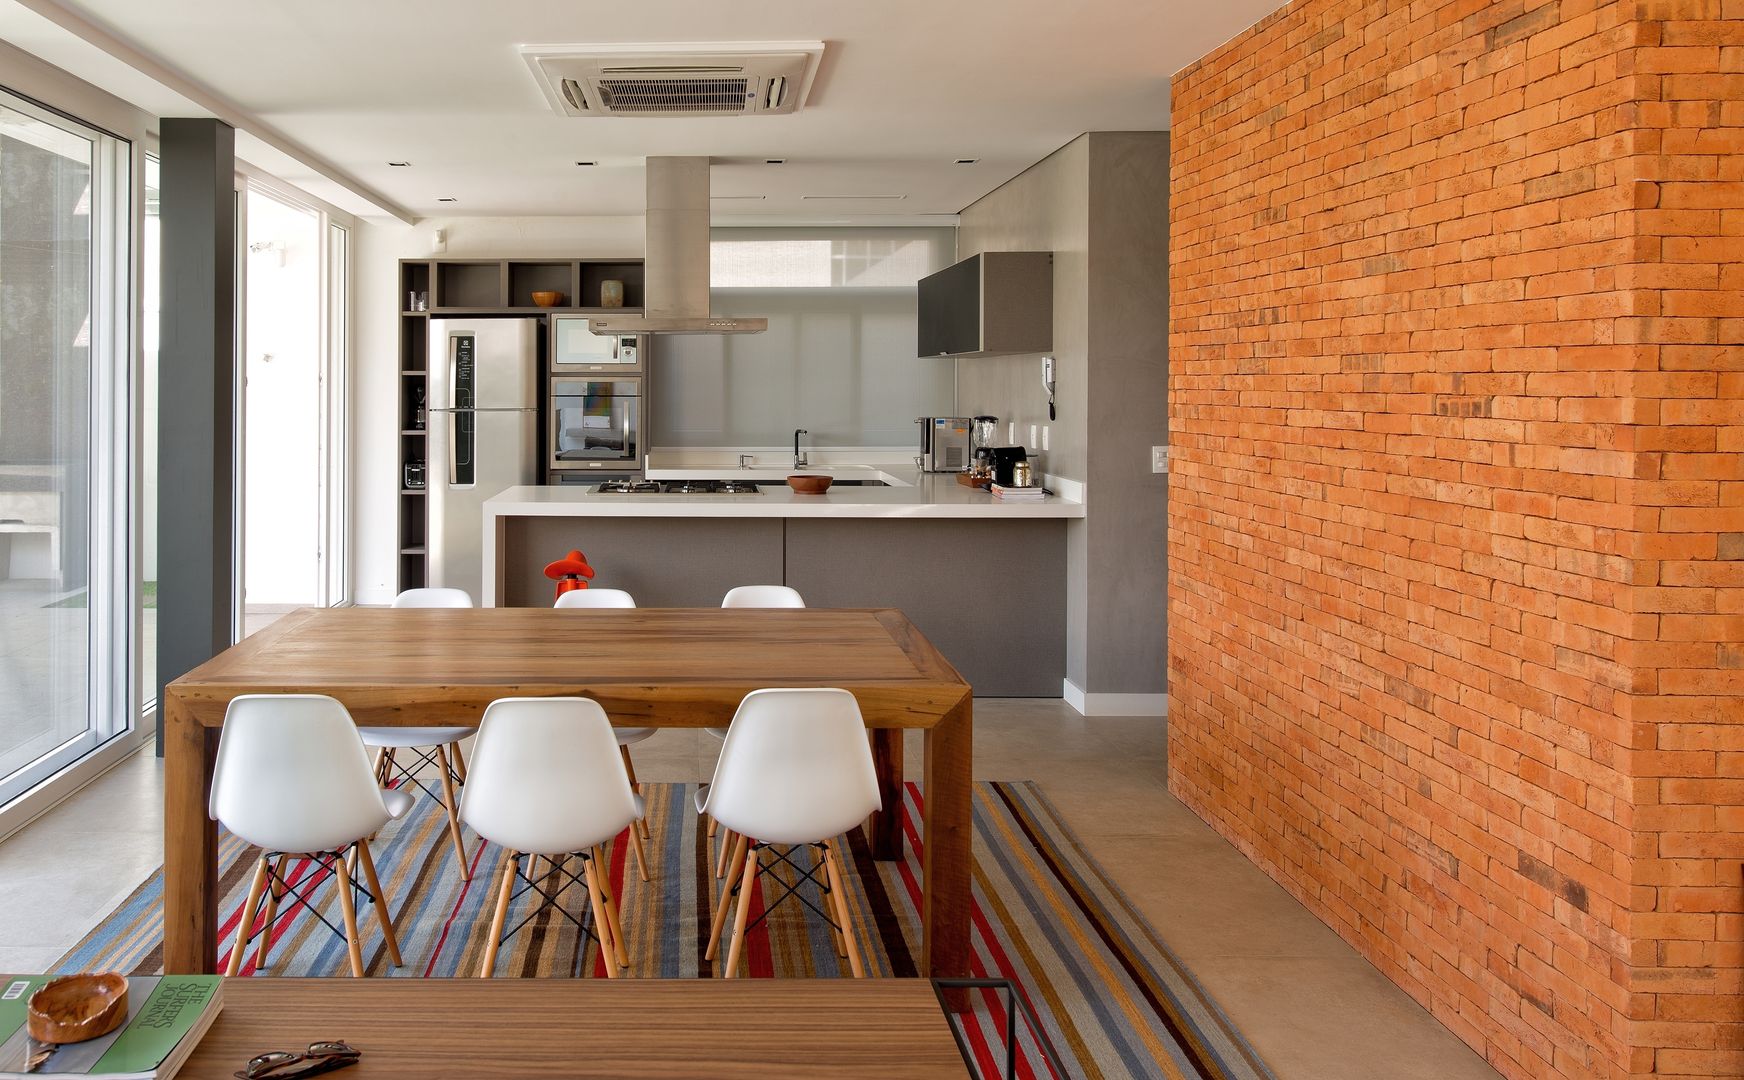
{"points": [[196, 396]]}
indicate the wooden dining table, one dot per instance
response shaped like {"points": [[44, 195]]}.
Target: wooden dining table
{"points": [[659, 667]]}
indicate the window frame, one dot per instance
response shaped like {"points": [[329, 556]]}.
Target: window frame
{"points": [[113, 593]]}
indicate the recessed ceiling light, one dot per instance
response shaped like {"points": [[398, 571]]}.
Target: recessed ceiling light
{"points": [[775, 161], [446, 198], [400, 164], [967, 160], [737, 196], [855, 198], [587, 163]]}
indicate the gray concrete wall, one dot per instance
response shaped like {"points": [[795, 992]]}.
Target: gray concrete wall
{"points": [[1129, 412], [1100, 203]]}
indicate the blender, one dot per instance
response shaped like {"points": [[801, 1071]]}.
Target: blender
{"points": [[983, 433]]}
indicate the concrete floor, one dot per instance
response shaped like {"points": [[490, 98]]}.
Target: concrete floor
{"points": [[1311, 1006]]}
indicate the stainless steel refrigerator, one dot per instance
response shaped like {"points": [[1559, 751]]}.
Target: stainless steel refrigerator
{"points": [[483, 426]]}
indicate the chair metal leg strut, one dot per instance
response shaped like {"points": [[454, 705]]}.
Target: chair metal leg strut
{"points": [[452, 775], [272, 885], [823, 873], [600, 922]]}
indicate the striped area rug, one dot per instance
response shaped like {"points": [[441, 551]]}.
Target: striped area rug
{"points": [[1111, 997]]}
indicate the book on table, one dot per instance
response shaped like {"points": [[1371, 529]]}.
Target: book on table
{"points": [[166, 1016], [1000, 491]]}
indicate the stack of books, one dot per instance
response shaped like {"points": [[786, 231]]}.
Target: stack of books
{"points": [[1015, 494], [166, 1017]]}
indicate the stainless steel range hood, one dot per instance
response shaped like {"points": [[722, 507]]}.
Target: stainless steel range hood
{"points": [[675, 286]]}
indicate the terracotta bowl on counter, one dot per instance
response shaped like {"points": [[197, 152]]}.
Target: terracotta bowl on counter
{"points": [[75, 1008], [809, 483], [547, 299]]}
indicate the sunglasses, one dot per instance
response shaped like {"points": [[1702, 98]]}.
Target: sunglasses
{"points": [[320, 1057]]}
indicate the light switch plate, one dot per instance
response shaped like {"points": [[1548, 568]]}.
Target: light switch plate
{"points": [[1159, 459], [1034, 438], [1044, 436]]}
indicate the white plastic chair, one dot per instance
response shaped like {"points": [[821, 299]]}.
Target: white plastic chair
{"points": [[291, 781], [595, 598], [796, 770], [545, 781], [434, 598], [748, 596], [438, 746], [627, 736], [763, 596]]}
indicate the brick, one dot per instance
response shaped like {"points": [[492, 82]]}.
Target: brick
{"points": [[1457, 520]]}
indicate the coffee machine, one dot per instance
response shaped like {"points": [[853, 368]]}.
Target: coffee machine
{"points": [[1001, 459]]}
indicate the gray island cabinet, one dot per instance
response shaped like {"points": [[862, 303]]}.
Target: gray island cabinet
{"points": [[985, 581]]}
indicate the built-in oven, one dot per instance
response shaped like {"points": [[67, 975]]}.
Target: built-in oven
{"points": [[595, 425], [576, 350]]}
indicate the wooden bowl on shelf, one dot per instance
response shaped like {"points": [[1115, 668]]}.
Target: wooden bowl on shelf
{"points": [[809, 483], [75, 1008], [547, 299]]}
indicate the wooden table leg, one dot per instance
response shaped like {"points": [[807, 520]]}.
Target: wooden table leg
{"points": [[884, 828], [190, 843], [945, 878]]}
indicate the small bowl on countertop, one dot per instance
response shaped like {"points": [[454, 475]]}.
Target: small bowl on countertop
{"points": [[77, 1008], [547, 299], [810, 483]]}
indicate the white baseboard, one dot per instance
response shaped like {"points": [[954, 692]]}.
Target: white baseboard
{"points": [[1114, 704]]}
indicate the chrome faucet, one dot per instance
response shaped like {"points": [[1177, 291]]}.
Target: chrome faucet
{"points": [[799, 461]]}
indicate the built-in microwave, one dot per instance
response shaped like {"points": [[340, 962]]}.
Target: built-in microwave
{"points": [[576, 350], [595, 425]]}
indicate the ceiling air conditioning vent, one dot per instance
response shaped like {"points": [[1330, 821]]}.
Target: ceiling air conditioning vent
{"points": [[668, 95], [696, 79], [572, 95]]}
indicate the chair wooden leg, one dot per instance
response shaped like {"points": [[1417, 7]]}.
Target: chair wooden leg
{"points": [[614, 917], [348, 908], [636, 847], [636, 786], [275, 889], [381, 757], [838, 932], [381, 902], [838, 880], [726, 900], [453, 807], [712, 825], [601, 926], [728, 838], [496, 928], [459, 762], [246, 922], [747, 880]]}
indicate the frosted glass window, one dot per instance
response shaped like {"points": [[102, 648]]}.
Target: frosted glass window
{"points": [[857, 261], [839, 357]]}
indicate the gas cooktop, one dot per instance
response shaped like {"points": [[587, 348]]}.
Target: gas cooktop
{"points": [[678, 487]]}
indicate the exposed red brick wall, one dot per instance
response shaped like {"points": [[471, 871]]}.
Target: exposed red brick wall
{"points": [[1457, 512]]}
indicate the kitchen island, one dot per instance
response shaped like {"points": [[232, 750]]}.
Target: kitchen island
{"points": [[985, 580]]}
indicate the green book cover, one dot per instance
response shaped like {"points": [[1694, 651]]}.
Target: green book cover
{"points": [[173, 1008], [15, 991]]}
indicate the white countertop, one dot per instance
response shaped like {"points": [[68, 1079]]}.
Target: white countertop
{"points": [[924, 495]]}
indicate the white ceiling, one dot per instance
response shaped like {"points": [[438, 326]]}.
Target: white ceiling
{"points": [[906, 87]]}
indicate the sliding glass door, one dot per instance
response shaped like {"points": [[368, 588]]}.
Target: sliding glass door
{"points": [[63, 437]]}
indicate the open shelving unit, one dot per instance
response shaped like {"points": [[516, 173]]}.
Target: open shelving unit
{"points": [[476, 287]]}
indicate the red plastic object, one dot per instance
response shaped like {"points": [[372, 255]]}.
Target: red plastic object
{"points": [[570, 572]]}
